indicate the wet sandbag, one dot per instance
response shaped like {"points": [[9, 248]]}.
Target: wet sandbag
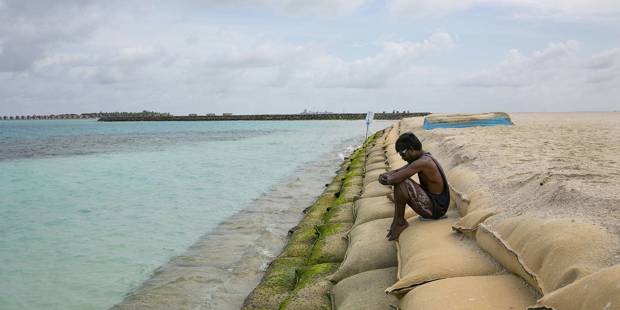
{"points": [[497, 292], [600, 290], [549, 254], [429, 250], [376, 189], [468, 224], [301, 242], [333, 187], [374, 208], [368, 249], [365, 291], [278, 281], [354, 180], [342, 213], [350, 193], [331, 243], [312, 289]]}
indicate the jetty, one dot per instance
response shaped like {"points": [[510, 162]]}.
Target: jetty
{"points": [[264, 117]]}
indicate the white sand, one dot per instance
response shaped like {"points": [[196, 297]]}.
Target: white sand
{"points": [[561, 165]]}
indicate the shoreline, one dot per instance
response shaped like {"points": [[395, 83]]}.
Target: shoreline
{"points": [[222, 267]]}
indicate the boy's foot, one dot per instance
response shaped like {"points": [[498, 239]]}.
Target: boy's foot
{"points": [[396, 228]]}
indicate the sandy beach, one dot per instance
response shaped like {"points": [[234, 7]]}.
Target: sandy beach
{"points": [[559, 165]]}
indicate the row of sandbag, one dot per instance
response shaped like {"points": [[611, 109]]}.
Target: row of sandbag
{"points": [[567, 261], [442, 269], [431, 267], [297, 278]]}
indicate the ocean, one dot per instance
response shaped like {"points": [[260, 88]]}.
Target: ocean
{"points": [[94, 212]]}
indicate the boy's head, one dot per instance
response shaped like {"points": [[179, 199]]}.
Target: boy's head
{"points": [[409, 147]]}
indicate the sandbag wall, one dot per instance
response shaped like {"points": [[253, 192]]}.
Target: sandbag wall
{"points": [[462, 262], [298, 277]]}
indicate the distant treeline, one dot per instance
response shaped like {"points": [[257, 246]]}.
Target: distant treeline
{"points": [[263, 117], [86, 115]]}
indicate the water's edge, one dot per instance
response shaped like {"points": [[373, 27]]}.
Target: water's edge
{"points": [[224, 265]]}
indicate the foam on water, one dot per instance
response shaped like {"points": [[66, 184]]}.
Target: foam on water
{"points": [[83, 224]]}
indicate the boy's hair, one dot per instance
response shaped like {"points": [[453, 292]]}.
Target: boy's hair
{"points": [[408, 141]]}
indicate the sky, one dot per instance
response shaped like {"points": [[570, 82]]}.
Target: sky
{"points": [[286, 56]]}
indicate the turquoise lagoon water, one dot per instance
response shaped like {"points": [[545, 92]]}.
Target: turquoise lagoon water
{"points": [[89, 210]]}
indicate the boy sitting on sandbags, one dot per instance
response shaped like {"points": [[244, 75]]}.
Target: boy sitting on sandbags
{"points": [[430, 198]]}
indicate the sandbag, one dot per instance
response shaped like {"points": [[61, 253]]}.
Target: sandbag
{"points": [[279, 279], [476, 200], [463, 179], [368, 249], [372, 176], [376, 159], [600, 290], [353, 180], [396, 162], [549, 254], [364, 291], [468, 224], [301, 242], [429, 250], [466, 293], [350, 193], [340, 213], [312, 289], [373, 208], [331, 243], [375, 189], [376, 166]]}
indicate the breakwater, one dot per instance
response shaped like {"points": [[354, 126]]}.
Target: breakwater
{"points": [[264, 117]]}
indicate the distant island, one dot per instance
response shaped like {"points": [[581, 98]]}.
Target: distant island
{"points": [[158, 116]]}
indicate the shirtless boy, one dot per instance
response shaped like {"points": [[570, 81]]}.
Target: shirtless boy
{"points": [[430, 198]]}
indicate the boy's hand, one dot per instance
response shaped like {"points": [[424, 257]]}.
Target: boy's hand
{"points": [[383, 178]]}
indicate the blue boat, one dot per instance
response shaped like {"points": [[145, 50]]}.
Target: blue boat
{"points": [[466, 120]]}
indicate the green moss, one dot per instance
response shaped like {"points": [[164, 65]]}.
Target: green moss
{"points": [[301, 242], [308, 274], [280, 278], [312, 289], [329, 247], [334, 210]]}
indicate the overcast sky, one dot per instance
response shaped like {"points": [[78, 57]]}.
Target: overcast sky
{"points": [[284, 56]]}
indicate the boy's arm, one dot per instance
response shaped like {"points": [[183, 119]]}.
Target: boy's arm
{"points": [[404, 173]]}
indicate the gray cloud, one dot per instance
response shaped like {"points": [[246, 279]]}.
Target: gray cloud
{"points": [[519, 70]]}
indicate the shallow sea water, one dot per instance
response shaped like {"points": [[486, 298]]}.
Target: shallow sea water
{"points": [[90, 211]]}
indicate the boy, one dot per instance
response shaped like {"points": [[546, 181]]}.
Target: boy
{"points": [[430, 198]]}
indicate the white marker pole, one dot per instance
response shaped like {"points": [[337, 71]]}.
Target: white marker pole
{"points": [[369, 118]]}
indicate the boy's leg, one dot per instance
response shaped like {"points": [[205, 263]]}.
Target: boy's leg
{"points": [[408, 192]]}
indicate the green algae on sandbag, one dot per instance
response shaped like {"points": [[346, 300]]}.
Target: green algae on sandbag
{"points": [[312, 288], [340, 213], [279, 280], [331, 244], [355, 180], [315, 213], [301, 242]]}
